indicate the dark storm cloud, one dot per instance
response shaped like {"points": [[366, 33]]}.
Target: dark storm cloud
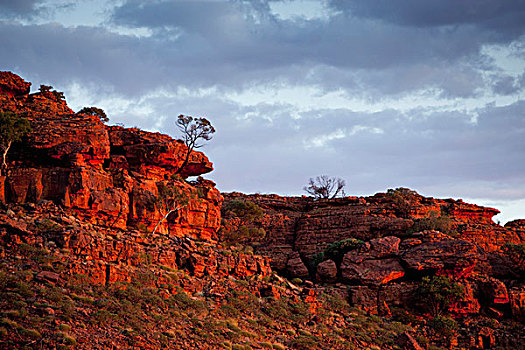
{"points": [[236, 45], [209, 17], [236, 37], [259, 39], [92, 55], [504, 19], [18, 7]]}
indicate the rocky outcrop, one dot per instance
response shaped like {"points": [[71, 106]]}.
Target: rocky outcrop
{"points": [[109, 256], [435, 251], [376, 262], [308, 226], [108, 175], [326, 271], [12, 85], [401, 244], [296, 267]]}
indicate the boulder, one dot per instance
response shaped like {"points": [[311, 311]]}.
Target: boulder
{"points": [[326, 271], [434, 251], [12, 85], [295, 266]]}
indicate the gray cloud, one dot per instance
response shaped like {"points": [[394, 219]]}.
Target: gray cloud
{"points": [[263, 148], [235, 46], [503, 19], [87, 54], [18, 7], [504, 84], [262, 39]]}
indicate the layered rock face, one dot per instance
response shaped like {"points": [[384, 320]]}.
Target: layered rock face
{"points": [[400, 244], [304, 226], [107, 256], [109, 175]]}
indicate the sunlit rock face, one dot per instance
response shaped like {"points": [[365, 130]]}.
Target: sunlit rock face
{"points": [[400, 243], [108, 174]]}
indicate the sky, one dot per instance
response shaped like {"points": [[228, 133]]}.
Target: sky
{"points": [[428, 95]]}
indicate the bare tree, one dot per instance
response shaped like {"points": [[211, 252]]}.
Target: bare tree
{"points": [[170, 199], [325, 187], [12, 129], [195, 131]]}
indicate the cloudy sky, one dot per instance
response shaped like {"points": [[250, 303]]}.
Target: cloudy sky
{"points": [[421, 94]]}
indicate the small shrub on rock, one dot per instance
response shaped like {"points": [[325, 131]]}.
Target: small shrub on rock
{"points": [[444, 326], [438, 293], [242, 222], [336, 251], [436, 222]]}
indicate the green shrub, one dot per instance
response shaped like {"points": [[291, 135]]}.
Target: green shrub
{"points": [[336, 251], [247, 334], [439, 293], [95, 111], [31, 333], [444, 325], [69, 340], [403, 199], [304, 342], [242, 222], [233, 326], [64, 327], [7, 322], [226, 345], [185, 303], [46, 226], [304, 332], [436, 222], [291, 332], [336, 303]]}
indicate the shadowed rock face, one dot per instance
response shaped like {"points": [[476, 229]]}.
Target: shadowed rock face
{"points": [[108, 174]]}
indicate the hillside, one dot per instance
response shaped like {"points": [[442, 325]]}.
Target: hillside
{"points": [[82, 268]]}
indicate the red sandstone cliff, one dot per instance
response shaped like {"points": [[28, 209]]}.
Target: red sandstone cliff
{"points": [[304, 226], [398, 249], [108, 174]]}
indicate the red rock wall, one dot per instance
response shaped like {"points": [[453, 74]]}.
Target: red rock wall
{"points": [[107, 174], [303, 226]]}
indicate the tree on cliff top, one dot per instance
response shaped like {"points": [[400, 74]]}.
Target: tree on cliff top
{"points": [[47, 91], [325, 187], [99, 112], [12, 129], [195, 131]]}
